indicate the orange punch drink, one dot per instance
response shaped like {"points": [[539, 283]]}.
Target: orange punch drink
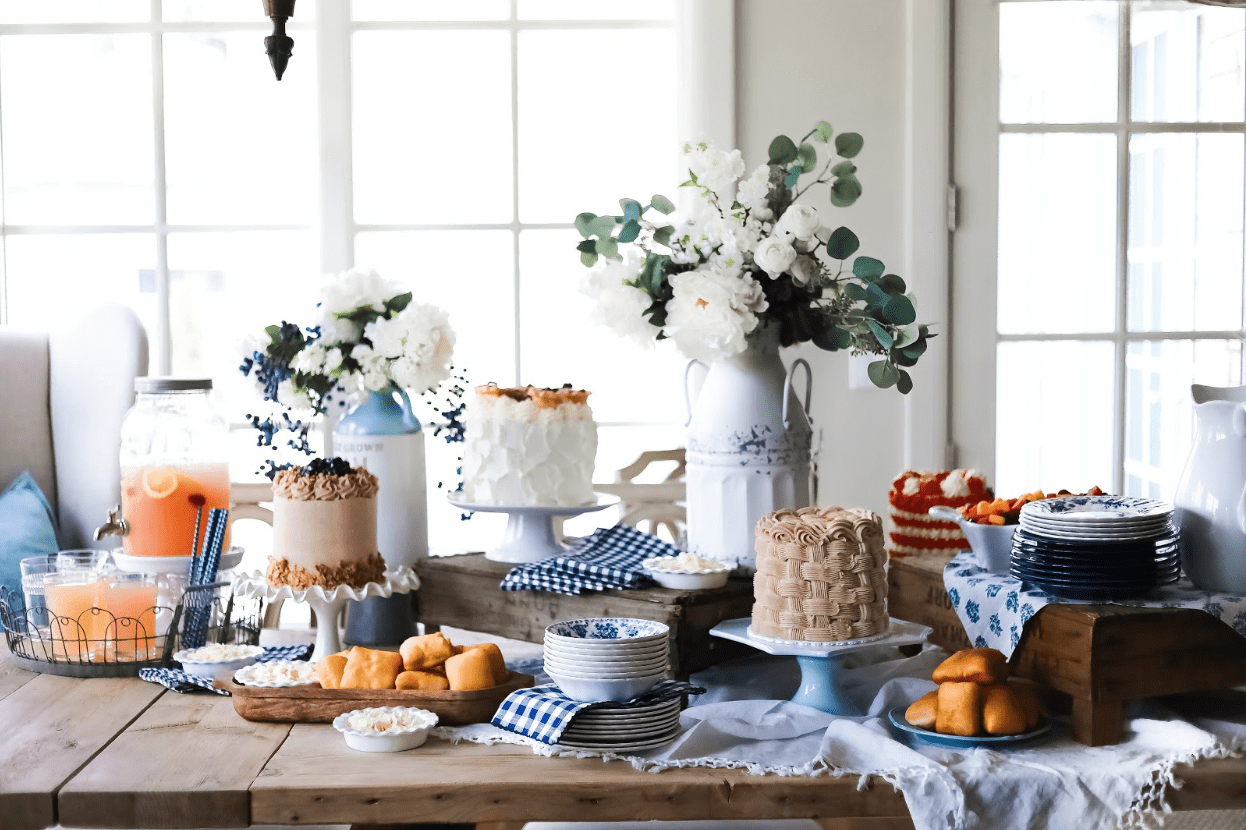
{"points": [[161, 504]]}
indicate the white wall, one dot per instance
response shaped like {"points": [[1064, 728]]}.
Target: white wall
{"points": [[800, 61]]}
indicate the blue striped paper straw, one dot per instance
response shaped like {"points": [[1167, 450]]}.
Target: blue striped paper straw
{"points": [[212, 559], [199, 609]]}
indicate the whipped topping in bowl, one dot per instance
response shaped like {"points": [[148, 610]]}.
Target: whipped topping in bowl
{"points": [[687, 563], [277, 673], [218, 653], [389, 720]]}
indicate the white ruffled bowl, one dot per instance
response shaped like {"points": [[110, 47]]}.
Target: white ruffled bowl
{"points": [[211, 668], [396, 739]]}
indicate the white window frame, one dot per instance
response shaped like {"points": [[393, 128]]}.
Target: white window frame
{"points": [[975, 249]]}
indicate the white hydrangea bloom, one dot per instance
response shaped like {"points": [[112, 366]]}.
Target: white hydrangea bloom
{"points": [[712, 313], [311, 360], [617, 306], [387, 336], [355, 288], [288, 396], [428, 348], [334, 330], [755, 189], [716, 169], [332, 360]]}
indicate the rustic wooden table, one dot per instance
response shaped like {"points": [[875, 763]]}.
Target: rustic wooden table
{"points": [[124, 753]]}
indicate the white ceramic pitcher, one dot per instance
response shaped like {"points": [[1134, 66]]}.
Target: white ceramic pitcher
{"points": [[1211, 496]]}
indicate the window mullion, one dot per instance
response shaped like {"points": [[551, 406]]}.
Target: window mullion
{"points": [[333, 82], [514, 44], [164, 326], [1124, 116]]}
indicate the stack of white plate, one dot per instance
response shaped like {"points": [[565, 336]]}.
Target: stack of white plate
{"points": [[611, 658], [607, 728]]}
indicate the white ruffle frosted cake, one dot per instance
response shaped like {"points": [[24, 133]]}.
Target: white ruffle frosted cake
{"points": [[529, 447]]}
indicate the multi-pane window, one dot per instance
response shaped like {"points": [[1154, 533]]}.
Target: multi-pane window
{"points": [[150, 158], [1120, 246]]}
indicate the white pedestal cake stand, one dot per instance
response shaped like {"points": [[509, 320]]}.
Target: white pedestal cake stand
{"points": [[529, 533], [327, 605], [820, 663]]}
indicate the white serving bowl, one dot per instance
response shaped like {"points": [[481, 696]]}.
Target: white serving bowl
{"points": [[608, 674], [393, 740], [682, 581], [607, 665], [592, 690], [991, 544], [608, 631], [605, 646], [211, 668], [658, 650]]}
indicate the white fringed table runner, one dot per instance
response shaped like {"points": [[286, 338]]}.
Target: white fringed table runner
{"points": [[745, 721]]}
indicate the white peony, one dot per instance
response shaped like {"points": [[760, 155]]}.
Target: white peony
{"points": [[804, 270], [755, 189], [334, 330], [355, 288], [414, 348], [716, 169], [617, 306], [712, 313], [774, 256], [387, 336], [801, 220]]}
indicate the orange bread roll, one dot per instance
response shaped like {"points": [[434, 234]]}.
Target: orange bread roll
{"points": [[924, 711], [469, 671], [975, 665], [497, 663], [426, 651], [960, 709], [424, 681], [1030, 700], [368, 668], [1002, 713], [329, 671]]}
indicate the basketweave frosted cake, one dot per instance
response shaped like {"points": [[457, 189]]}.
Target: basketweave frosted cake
{"points": [[529, 447], [913, 529], [324, 527], [821, 575]]}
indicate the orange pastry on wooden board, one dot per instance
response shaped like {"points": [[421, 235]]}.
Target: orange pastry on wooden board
{"points": [[470, 670], [976, 697], [329, 671], [426, 663], [424, 681], [426, 651], [368, 668]]}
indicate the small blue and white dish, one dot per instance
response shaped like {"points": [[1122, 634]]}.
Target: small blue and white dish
{"points": [[609, 628], [1098, 508]]}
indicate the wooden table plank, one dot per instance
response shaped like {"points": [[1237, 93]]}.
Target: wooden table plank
{"points": [[314, 778], [11, 677], [51, 727], [187, 762]]}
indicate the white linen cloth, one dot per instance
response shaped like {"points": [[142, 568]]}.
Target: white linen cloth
{"points": [[745, 721]]}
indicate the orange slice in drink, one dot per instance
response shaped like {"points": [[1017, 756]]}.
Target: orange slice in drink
{"points": [[160, 482]]}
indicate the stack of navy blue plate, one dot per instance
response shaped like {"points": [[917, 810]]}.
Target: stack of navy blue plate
{"points": [[1096, 547]]}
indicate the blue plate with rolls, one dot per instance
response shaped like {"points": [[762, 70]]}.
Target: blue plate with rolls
{"points": [[896, 716]]}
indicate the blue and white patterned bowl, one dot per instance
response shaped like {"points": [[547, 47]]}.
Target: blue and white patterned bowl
{"points": [[608, 630]]}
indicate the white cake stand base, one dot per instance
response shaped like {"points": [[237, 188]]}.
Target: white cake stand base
{"points": [[529, 533], [327, 605], [821, 663]]}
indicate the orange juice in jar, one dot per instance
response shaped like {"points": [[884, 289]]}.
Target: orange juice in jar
{"points": [[131, 601], [77, 628], [174, 466]]}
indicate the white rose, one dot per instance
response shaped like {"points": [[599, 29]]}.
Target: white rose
{"points": [[774, 256], [804, 270], [802, 220], [721, 169]]}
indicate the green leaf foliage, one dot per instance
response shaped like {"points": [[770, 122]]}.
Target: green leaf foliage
{"points": [[631, 209], [845, 191], [905, 383], [793, 176], [867, 268], [589, 245], [823, 132], [806, 158], [601, 226], [842, 244], [854, 292], [908, 335], [274, 334], [915, 350], [875, 296], [899, 311], [607, 247], [847, 145], [582, 224], [662, 235], [892, 284], [631, 230], [397, 304], [883, 373], [662, 204], [588, 258], [782, 150], [884, 337], [844, 168]]}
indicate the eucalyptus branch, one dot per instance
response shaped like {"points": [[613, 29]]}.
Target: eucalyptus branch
{"points": [[819, 180]]}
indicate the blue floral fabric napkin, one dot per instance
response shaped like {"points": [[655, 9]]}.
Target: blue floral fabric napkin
{"points": [[609, 558], [544, 712], [994, 609], [179, 681]]}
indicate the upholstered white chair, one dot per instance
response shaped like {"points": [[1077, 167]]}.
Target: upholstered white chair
{"points": [[62, 398]]}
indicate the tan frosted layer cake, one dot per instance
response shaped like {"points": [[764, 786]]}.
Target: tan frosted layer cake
{"points": [[324, 527], [821, 575]]}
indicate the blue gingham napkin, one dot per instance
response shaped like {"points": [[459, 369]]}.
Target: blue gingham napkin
{"points": [[544, 712], [179, 681], [609, 558]]}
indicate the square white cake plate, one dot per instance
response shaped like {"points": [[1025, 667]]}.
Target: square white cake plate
{"points": [[820, 663]]}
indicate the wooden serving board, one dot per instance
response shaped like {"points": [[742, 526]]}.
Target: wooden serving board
{"points": [[312, 704]]}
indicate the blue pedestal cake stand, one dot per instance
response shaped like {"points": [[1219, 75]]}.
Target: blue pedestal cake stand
{"points": [[821, 663]]}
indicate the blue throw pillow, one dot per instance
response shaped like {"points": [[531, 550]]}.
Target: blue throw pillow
{"points": [[27, 528]]}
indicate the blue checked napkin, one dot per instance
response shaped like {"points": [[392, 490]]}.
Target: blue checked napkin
{"points": [[179, 681], [544, 712], [609, 558]]}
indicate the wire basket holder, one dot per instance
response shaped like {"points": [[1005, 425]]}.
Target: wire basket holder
{"points": [[98, 643]]}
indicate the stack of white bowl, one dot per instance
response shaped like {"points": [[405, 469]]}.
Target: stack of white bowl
{"points": [[610, 658]]}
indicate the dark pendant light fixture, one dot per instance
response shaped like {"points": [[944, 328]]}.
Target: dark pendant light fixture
{"points": [[279, 45]]}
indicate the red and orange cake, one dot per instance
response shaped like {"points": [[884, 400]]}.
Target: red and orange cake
{"points": [[913, 530]]}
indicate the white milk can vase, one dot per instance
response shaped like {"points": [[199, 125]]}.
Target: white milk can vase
{"points": [[382, 435], [749, 450], [1211, 496]]}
